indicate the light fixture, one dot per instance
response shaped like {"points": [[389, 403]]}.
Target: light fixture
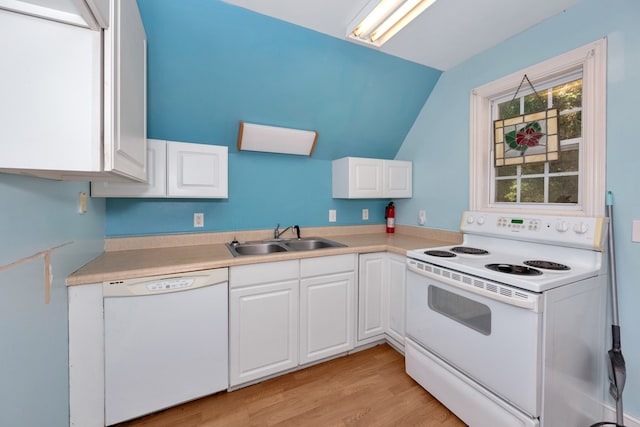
{"points": [[272, 139], [382, 19]]}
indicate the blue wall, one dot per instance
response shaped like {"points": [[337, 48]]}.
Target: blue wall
{"points": [[212, 64], [438, 142], [36, 215]]}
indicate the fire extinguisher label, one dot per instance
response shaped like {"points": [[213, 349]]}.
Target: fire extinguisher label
{"points": [[391, 222]]}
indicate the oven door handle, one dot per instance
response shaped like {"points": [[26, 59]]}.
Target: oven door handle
{"points": [[481, 287]]}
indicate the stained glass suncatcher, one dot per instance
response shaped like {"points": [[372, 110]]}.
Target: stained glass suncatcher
{"points": [[528, 138]]}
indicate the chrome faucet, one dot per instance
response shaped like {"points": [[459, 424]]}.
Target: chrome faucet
{"points": [[277, 232]]}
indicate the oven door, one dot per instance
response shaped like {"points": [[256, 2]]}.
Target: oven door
{"points": [[493, 342]]}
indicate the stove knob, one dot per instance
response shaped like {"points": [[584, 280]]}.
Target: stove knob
{"points": [[481, 220], [581, 227], [470, 219], [562, 226]]}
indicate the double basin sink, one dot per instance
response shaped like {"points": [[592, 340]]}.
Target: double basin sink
{"points": [[264, 247]]}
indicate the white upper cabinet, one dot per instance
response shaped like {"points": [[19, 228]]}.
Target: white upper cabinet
{"points": [[397, 179], [156, 181], [197, 170], [73, 102], [175, 169], [125, 92], [363, 178], [92, 14]]}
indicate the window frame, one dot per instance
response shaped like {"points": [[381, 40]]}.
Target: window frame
{"points": [[592, 59]]}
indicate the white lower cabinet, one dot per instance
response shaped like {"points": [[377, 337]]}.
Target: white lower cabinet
{"points": [[263, 320], [395, 298], [381, 294], [327, 307], [371, 304], [286, 313]]}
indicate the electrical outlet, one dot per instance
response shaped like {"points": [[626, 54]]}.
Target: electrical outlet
{"points": [[198, 220], [365, 214], [332, 215], [422, 217]]}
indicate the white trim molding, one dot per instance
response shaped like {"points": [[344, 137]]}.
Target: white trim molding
{"points": [[592, 60]]}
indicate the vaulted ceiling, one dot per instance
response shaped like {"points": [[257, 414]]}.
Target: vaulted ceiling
{"points": [[445, 35]]}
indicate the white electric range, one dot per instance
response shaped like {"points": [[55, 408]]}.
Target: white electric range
{"points": [[508, 328]]}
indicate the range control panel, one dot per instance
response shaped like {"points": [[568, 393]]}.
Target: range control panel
{"points": [[583, 232]]}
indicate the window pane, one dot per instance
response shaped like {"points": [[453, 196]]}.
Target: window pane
{"points": [[568, 162], [506, 190], [507, 170], [535, 168], [568, 95], [534, 103], [509, 109], [563, 189], [532, 190], [570, 125]]}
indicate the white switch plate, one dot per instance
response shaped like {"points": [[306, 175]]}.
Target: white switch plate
{"points": [[332, 215], [635, 233], [198, 220], [422, 217], [82, 203], [365, 214]]}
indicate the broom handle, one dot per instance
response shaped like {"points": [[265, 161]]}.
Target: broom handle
{"points": [[612, 265]]}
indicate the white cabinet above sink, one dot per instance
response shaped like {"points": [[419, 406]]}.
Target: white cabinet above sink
{"points": [[364, 178]]}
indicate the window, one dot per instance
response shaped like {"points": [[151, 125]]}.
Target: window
{"points": [[575, 83]]}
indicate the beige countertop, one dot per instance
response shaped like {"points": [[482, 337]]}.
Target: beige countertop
{"points": [[128, 258]]}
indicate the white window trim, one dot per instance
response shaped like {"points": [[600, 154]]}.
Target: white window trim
{"points": [[592, 58]]}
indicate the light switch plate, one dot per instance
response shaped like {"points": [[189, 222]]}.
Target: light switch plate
{"points": [[332, 215], [635, 233], [365, 214], [422, 217]]}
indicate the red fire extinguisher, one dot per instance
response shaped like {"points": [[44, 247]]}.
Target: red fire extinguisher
{"points": [[390, 216]]}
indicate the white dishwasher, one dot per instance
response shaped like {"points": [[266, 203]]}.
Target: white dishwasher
{"points": [[166, 341]]}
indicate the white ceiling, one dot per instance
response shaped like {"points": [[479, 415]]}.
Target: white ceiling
{"points": [[445, 35]]}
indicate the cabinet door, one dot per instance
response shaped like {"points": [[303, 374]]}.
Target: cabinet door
{"points": [[395, 295], [197, 170], [397, 179], [263, 330], [50, 115], [327, 307], [356, 178], [125, 92], [371, 295], [82, 13], [156, 185]]}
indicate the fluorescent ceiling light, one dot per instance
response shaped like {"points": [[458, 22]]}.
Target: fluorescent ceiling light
{"points": [[384, 18], [272, 139]]}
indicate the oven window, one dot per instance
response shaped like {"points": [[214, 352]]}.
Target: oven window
{"points": [[470, 313]]}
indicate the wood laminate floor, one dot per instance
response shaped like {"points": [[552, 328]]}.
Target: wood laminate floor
{"points": [[368, 388]]}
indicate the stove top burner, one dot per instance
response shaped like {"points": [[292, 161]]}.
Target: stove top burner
{"points": [[547, 265], [514, 269], [441, 254], [467, 250]]}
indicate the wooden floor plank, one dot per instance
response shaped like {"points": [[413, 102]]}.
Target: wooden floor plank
{"points": [[369, 388]]}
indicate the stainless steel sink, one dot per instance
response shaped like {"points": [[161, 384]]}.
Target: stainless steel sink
{"points": [[256, 248], [312, 243], [264, 247]]}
